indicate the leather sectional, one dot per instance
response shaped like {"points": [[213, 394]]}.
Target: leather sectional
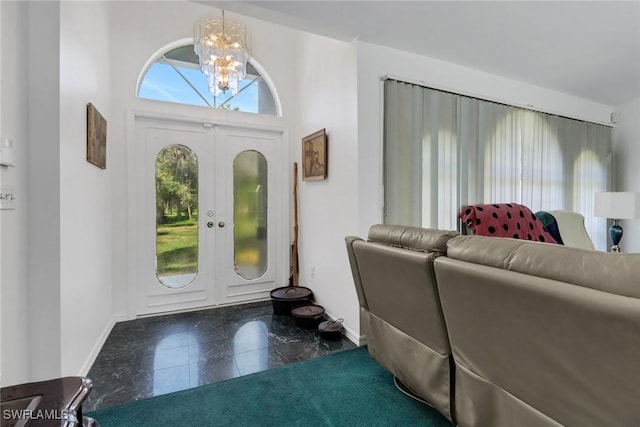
{"points": [[503, 332]]}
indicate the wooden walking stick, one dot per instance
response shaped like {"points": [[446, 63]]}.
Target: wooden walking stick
{"points": [[294, 248]]}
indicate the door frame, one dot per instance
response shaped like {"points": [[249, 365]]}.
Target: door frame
{"points": [[134, 224]]}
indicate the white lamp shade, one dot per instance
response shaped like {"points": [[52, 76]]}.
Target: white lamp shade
{"points": [[617, 205]]}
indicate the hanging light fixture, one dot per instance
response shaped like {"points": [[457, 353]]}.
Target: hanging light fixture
{"points": [[221, 47]]}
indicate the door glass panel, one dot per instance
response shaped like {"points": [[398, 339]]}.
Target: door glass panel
{"points": [[250, 255], [176, 216]]}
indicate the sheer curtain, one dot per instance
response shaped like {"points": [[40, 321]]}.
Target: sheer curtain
{"points": [[589, 157], [420, 159], [443, 151]]}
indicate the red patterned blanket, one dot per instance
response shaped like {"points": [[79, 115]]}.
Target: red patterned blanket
{"points": [[505, 220]]}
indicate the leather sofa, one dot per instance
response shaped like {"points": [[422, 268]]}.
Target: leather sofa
{"points": [[537, 334]]}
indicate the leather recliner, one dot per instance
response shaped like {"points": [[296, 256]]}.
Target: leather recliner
{"points": [[400, 309]]}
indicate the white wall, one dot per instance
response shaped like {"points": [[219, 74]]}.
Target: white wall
{"points": [[626, 145], [328, 208], [85, 190], [44, 189], [14, 308], [56, 276], [1, 239], [374, 62]]}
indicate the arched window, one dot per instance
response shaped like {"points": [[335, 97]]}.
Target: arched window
{"points": [[175, 76]]}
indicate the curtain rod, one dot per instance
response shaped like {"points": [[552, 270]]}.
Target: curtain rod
{"points": [[445, 89]]}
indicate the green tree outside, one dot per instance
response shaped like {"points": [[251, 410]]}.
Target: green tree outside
{"points": [[176, 211]]}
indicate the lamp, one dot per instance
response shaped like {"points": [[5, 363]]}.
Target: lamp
{"points": [[221, 47], [617, 205]]}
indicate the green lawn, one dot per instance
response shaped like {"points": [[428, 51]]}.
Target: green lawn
{"points": [[177, 247]]}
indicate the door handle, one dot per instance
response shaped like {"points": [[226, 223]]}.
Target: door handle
{"points": [[221, 224]]}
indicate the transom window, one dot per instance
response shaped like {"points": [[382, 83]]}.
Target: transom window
{"points": [[176, 77]]}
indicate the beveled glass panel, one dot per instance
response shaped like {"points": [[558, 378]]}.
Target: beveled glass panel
{"points": [[176, 216], [250, 234]]}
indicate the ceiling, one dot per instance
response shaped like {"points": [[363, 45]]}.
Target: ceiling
{"points": [[590, 49]]}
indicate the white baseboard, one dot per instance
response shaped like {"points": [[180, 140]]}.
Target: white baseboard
{"points": [[352, 336], [84, 371], [122, 317], [362, 339]]}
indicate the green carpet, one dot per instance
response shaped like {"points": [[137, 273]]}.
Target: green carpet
{"points": [[343, 389]]}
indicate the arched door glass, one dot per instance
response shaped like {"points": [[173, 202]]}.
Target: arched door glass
{"points": [[250, 214], [176, 216]]}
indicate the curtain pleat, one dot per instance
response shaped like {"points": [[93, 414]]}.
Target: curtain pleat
{"points": [[443, 151], [402, 146]]}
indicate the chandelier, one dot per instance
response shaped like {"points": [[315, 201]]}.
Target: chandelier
{"points": [[221, 47]]}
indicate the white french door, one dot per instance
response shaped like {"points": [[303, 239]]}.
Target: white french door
{"points": [[207, 215], [246, 201]]}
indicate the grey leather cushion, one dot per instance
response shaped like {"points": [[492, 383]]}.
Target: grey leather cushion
{"points": [[414, 238], [604, 271]]}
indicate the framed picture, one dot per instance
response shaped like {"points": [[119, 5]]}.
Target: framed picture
{"points": [[314, 156], [96, 137]]}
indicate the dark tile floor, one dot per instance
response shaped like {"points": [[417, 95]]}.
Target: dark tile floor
{"points": [[157, 355]]}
